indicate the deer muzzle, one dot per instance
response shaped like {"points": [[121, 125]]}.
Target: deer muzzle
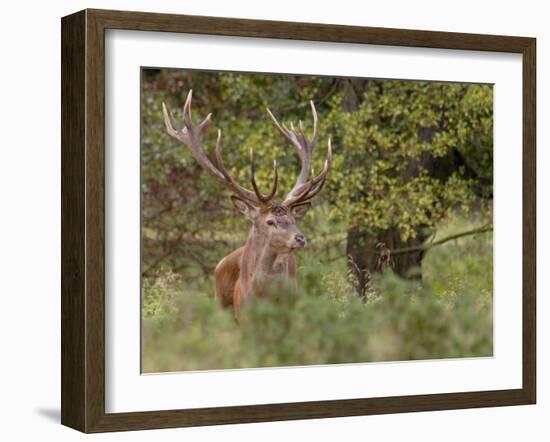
{"points": [[300, 240]]}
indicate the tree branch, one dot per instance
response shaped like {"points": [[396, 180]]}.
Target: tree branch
{"points": [[482, 229], [425, 246]]}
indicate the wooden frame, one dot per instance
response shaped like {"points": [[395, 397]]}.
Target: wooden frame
{"points": [[83, 216]]}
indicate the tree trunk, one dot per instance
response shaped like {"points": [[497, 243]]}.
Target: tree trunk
{"points": [[367, 253]]}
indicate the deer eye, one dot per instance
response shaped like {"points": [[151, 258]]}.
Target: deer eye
{"points": [[270, 222]]}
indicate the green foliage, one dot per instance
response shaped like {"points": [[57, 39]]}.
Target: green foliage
{"points": [[411, 158], [324, 322], [410, 153], [463, 265], [407, 154]]}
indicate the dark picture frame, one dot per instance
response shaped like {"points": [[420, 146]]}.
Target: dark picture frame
{"points": [[83, 220]]}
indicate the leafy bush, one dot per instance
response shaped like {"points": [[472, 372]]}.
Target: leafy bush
{"points": [[463, 265], [323, 322]]}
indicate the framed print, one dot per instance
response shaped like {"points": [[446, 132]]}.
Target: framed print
{"points": [[268, 221]]}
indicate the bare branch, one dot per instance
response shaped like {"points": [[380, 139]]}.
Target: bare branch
{"points": [[426, 246]]}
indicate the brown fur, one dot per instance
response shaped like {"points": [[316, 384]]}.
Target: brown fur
{"points": [[226, 275], [268, 251], [267, 254]]}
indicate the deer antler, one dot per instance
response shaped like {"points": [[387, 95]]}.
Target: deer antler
{"points": [[266, 199], [190, 135], [304, 189]]}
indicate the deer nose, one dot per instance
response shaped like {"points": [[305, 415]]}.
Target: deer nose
{"points": [[300, 239]]}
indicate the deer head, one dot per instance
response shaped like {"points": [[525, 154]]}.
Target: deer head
{"points": [[273, 223]]}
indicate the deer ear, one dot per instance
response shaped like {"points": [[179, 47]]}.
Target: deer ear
{"points": [[247, 209], [299, 210]]}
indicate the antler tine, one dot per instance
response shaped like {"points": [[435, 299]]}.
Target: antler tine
{"points": [[315, 123], [187, 110], [282, 128], [169, 122], [265, 199], [190, 136], [188, 120], [303, 147], [289, 134], [231, 183], [312, 187], [271, 194]]}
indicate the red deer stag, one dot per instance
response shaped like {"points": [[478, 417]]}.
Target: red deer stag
{"points": [[274, 236]]}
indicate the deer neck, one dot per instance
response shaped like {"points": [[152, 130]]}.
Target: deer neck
{"points": [[261, 263], [264, 258]]}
